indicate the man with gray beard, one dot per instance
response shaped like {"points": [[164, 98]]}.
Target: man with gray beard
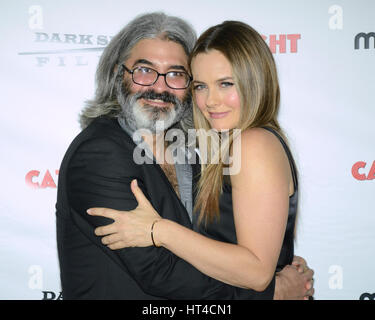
{"points": [[135, 116], [142, 80]]}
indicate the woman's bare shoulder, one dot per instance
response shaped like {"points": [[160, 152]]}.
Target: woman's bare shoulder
{"points": [[260, 152], [261, 141]]}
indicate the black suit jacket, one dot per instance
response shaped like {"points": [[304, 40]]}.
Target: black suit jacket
{"points": [[96, 172]]}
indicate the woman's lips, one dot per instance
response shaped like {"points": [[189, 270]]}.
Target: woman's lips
{"points": [[218, 115]]}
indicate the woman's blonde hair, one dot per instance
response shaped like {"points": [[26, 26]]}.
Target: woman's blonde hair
{"points": [[255, 77]]}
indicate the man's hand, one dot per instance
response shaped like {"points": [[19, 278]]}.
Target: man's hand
{"points": [[294, 282], [302, 267]]}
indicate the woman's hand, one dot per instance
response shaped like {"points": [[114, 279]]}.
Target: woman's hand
{"points": [[130, 228]]}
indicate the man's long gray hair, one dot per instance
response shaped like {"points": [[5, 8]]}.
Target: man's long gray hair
{"points": [[146, 26]]}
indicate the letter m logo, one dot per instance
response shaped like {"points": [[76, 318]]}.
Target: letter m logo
{"points": [[366, 37]]}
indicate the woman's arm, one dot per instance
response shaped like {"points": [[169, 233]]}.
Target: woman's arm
{"points": [[260, 193], [222, 261]]}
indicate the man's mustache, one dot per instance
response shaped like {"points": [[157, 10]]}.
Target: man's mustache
{"points": [[164, 96]]}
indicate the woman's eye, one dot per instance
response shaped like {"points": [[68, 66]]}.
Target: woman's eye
{"points": [[226, 84], [198, 87]]}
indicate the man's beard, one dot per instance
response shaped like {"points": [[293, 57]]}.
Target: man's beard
{"points": [[155, 119]]}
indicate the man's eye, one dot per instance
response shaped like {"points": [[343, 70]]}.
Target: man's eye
{"points": [[176, 74], [144, 70]]}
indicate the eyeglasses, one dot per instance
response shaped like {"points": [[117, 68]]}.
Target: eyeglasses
{"points": [[146, 76]]}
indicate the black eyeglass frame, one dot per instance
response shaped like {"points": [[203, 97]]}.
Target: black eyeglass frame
{"points": [[190, 78]]}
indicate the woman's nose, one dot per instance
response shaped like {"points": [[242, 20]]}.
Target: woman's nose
{"points": [[213, 98]]}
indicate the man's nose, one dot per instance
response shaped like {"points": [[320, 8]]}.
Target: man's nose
{"points": [[160, 85]]}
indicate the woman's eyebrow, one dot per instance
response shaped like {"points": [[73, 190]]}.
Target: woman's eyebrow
{"points": [[225, 78], [218, 80], [197, 81]]}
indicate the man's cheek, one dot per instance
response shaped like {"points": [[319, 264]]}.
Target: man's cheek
{"points": [[182, 95], [135, 88]]}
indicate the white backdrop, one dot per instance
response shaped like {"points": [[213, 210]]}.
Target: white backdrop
{"points": [[50, 50]]}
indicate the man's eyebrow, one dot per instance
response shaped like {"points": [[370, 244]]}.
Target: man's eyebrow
{"points": [[178, 67], [143, 61], [149, 63]]}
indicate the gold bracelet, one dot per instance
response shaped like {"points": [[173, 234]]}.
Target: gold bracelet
{"points": [[152, 233]]}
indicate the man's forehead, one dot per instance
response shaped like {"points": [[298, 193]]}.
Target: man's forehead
{"points": [[159, 52]]}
